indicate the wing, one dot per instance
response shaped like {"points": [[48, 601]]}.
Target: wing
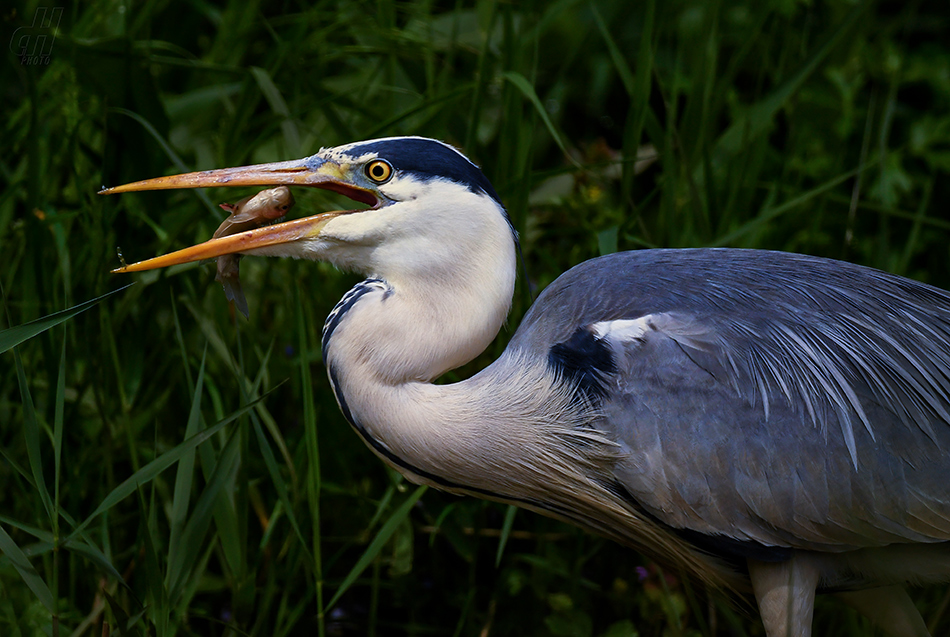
{"points": [[764, 397]]}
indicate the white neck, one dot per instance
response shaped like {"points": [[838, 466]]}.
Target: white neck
{"points": [[444, 293], [499, 434]]}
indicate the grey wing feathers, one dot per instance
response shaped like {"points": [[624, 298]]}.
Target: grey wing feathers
{"points": [[811, 394]]}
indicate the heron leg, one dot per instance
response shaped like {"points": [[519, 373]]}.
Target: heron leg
{"points": [[890, 607], [785, 592]]}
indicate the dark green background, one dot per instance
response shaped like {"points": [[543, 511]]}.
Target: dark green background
{"points": [[819, 127]]}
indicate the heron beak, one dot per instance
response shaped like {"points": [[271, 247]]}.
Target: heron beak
{"points": [[286, 232], [314, 172]]}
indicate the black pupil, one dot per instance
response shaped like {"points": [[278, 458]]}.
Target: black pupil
{"points": [[379, 171]]}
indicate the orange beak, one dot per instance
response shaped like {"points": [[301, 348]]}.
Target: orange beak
{"points": [[314, 172]]}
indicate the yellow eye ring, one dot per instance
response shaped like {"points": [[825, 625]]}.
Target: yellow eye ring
{"points": [[379, 170]]}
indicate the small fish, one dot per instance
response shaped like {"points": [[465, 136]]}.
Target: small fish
{"points": [[247, 214]]}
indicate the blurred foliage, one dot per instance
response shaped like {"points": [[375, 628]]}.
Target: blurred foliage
{"points": [[819, 127]]}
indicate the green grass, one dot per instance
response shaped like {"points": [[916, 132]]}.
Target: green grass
{"points": [[171, 470]]}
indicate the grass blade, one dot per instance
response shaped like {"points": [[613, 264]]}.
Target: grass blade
{"points": [[13, 336], [185, 473], [620, 64], [59, 406], [522, 84], [158, 465], [172, 156], [769, 214], [31, 431], [79, 546], [22, 565], [759, 117], [377, 544], [505, 532], [313, 455], [283, 492], [82, 546], [194, 531], [277, 103]]}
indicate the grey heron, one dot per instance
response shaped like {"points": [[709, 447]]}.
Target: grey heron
{"points": [[764, 421]]}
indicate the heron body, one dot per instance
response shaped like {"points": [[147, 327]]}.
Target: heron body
{"points": [[748, 417]]}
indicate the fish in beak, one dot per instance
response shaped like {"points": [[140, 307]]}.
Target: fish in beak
{"points": [[314, 172], [249, 213]]}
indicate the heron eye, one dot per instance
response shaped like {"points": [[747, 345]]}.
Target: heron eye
{"points": [[379, 171]]}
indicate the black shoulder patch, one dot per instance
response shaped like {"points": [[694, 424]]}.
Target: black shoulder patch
{"points": [[585, 361], [348, 301]]}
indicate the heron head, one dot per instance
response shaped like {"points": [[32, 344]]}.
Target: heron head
{"points": [[425, 200]]}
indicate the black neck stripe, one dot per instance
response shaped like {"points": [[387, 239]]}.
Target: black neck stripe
{"points": [[345, 305]]}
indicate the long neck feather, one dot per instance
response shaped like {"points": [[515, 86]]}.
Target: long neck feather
{"points": [[513, 433]]}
